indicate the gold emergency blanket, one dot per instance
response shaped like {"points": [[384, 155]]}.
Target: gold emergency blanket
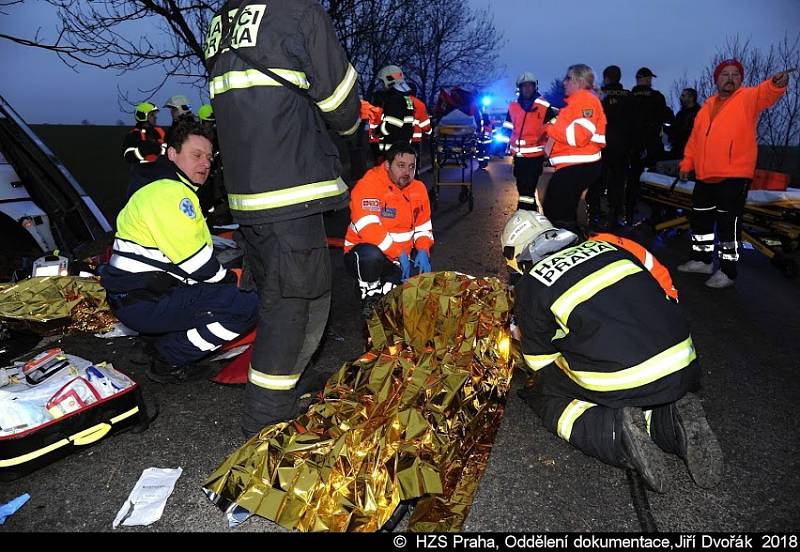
{"points": [[55, 304], [414, 417]]}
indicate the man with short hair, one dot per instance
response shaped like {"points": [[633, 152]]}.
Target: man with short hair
{"points": [[650, 114], [613, 357], [390, 235], [163, 279], [722, 151], [681, 129]]}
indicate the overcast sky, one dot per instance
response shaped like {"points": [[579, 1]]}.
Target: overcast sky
{"points": [[671, 37]]}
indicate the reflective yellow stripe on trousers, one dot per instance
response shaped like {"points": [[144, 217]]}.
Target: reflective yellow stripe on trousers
{"points": [[571, 413], [275, 383]]}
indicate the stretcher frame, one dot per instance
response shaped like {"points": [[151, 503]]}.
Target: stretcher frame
{"points": [[773, 229], [454, 147]]}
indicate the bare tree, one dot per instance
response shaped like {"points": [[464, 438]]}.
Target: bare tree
{"points": [[779, 126]]}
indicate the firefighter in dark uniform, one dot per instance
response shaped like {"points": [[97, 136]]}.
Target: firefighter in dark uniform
{"points": [[617, 105], [650, 114], [397, 120], [145, 142], [612, 352], [274, 91], [163, 278]]}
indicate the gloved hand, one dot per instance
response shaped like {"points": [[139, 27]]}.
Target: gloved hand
{"points": [[405, 267], [422, 262]]}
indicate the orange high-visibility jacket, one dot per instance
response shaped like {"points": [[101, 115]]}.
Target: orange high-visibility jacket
{"points": [[648, 260], [579, 132], [382, 214], [422, 121], [527, 128], [372, 114], [725, 147]]}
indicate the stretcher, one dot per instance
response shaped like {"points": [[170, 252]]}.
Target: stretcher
{"points": [[771, 221], [455, 146]]}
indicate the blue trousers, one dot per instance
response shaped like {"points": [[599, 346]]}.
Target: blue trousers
{"points": [[191, 321]]}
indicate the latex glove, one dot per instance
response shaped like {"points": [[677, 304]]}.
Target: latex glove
{"points": [[422, 262], [405, 267]]}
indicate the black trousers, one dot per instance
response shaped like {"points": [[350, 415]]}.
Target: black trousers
{"points": [[584, 419], [720, 204], [612, 181], [564, 193], [291, 266], [527, 171], [640, 159]]}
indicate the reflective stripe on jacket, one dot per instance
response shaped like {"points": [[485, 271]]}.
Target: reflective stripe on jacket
{"points": [[579, 132], [422, 121], [382, 214], [280, 161], [527, 128], [726, 147], [595, 312]]}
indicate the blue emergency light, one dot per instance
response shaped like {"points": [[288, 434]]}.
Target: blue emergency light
{"points": [[486, 101]]}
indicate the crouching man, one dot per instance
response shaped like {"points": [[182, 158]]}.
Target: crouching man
{"points": [[390, 233], [163, 279], [613, 354]]}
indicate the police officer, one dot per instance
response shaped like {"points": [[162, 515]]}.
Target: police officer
{"points": [[611, 350], [282, 172], [163, 278], [145, 141]]}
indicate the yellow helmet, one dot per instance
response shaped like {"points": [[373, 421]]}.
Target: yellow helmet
{"points": [[143, 110], [206, 113]]}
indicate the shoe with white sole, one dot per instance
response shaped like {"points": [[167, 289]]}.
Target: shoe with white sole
{"points": [[697, 267], [719, 280]]}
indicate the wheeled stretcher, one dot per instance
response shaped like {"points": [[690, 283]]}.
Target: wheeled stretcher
{"points": [[771, 221], [455, 146]]}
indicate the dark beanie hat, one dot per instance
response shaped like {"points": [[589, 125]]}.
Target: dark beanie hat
{"points": [[725, 63]]}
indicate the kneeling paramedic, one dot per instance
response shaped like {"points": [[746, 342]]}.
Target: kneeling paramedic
{"points": [[390, 234], [612, 352], [163, 278]]}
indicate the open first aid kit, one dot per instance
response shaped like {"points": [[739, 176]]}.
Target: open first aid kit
{"points": [[56, 403]]}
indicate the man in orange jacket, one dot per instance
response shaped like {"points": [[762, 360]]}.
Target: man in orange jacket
{"points": [[722, 152], [390, 227]]}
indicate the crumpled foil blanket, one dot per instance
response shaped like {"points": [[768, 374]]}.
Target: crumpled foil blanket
{"points": [[413, 418]]}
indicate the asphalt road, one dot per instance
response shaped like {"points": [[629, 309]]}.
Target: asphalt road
{"points": [[748, 339]]}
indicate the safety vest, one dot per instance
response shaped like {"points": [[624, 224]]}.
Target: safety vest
{"points": [[527, 128], [137, 136], [382, 214], [594, 311], [422, 121], [579, 131]]}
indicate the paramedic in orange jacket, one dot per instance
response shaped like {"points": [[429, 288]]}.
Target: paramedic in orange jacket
{"points": [[390, 234], [722, 152], [575, 139]]}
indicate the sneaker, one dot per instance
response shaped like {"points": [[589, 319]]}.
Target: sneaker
{"points": [[699, 446], [641, 452], [719, 280], [697, 267]]}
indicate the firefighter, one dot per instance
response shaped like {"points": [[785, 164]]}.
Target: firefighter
{"points": [[397, 118], [722, 151], [575, 139], [422, 121], [179, 108], [145, 141], [282, 172], [390, 234], [163, 278], [525, 127], [612, 354]]}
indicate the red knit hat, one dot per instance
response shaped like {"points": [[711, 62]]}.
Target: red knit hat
{"points": [[726, 62]]}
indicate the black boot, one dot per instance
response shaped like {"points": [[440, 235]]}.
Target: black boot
{"points": [[641, 453], [698, 444]]}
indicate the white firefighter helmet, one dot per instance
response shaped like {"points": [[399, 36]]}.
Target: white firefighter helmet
{"points": [[392, 77], [529, 236], [527, 76]]}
